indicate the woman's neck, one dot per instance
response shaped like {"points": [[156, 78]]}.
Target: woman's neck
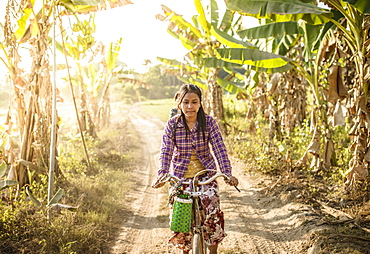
{"points": [[191, 120]]}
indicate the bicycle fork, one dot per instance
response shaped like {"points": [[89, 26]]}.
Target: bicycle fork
{"points": [[199, 245]]}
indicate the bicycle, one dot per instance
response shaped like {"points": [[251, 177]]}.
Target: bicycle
{"points": [[198, 242]]}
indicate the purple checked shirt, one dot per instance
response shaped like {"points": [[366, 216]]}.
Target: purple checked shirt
{"points": [[176, 150]]}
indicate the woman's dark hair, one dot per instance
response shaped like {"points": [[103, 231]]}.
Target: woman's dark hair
{"points": [[201, 115]]}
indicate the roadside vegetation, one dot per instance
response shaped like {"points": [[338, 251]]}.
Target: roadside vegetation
{"points": [[283, 174], [96, 196]]}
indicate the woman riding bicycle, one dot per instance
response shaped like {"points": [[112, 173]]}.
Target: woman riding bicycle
{"points": [[184, 152]]}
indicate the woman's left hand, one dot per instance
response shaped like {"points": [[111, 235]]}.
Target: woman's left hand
{"points": [[233, 181]]}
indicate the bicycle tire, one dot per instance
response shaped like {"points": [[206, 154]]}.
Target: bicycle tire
{"points": [[198, 246]]}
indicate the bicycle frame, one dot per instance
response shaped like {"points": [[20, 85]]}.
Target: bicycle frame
{"points": [[199, 246]]}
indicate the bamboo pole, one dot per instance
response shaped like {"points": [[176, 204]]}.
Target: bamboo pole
{"points": [[53, 122]]}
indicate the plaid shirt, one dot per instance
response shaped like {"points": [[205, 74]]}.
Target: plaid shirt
{"points": [[176, 149]]}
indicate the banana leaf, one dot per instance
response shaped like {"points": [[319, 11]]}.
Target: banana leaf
{"points": [[171, 62], [362, 5], [226, 22], [7, 183], [202, 17], [32, 197], [191, 80], [182, 25], [271, 30], [112, 54], [86, 6], [310, 35], [337, 16], [231, 87], [213, 62], [271, 70], [230, 41], [280, 10], [253, 57], [55, 199]]}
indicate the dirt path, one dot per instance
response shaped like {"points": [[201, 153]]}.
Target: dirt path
{"points": [[255, 223]]}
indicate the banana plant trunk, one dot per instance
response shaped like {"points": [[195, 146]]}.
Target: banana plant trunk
{"points": [[213, 101]]}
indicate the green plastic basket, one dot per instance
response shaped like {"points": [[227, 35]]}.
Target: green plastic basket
{"points": [[181, 214]]}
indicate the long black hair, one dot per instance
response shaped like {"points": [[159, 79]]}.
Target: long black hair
{"points": [[201, 115]]}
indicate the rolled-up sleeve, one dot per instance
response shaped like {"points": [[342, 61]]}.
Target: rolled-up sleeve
{"points": [[166, 151], [219, 148]]}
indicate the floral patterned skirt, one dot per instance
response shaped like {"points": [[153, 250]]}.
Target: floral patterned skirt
{"points": [[213, 225]]}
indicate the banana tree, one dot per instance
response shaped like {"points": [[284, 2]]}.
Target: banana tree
{"points": [[287, 102], [354, 33], [28, 25], [346, 17], [77, 47], [209, 40]]}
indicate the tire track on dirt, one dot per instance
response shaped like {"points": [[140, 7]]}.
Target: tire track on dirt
{"points": [[144, 230], [257, 224]]}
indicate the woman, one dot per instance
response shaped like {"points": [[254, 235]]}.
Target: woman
{"points": [[185, 151]]}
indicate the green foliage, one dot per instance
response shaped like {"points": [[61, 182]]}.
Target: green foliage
{"points": [[160, 86], [248, 140], [296, 144], [158, 108]]}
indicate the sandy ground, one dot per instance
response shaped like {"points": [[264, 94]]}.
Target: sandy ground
{"points": [[255, 223]]}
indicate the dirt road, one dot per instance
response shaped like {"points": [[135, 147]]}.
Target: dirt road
{"points": [[255, 223]]}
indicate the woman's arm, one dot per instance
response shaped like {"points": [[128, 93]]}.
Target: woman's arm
{"points": [[219, 148]]}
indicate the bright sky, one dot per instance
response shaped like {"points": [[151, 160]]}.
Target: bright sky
{"points": [[143, 36]]}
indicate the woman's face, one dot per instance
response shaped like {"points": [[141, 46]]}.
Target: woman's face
{"points": [[190, 105]]}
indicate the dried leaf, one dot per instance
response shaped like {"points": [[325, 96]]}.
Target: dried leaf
{"points": [[28, 164], [367, 155], [271, 86], [353, 130], [360, 172], [313, 122], [339, 118], [328, 153], [12, 174], [336, 88], [314, 147]]}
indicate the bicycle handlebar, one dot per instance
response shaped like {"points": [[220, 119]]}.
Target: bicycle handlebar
{"points": [[168, 178]]}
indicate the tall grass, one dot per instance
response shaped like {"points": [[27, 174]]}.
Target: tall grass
{"points": [[97, 192]]}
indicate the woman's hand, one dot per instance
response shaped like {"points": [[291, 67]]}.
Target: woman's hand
{"points": [[233, 181], [156, 182]]}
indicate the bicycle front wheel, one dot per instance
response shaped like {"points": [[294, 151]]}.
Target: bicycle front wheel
{"points": [[198, 244]]}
